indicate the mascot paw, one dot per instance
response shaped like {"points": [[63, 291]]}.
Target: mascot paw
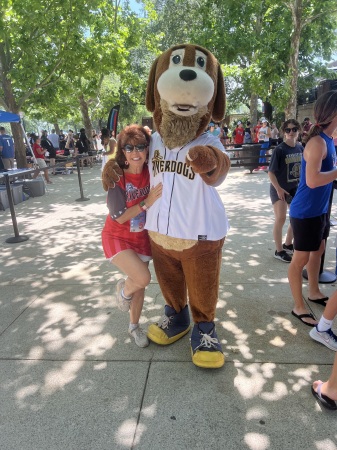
{"points": [[205, 346], [201, 158], [111, 174], [171, 327]]}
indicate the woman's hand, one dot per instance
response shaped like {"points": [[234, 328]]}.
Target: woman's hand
{"points": [[154, 194], [282, 194]]}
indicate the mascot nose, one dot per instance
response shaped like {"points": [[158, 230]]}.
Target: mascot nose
{"points": [[188, 75]]}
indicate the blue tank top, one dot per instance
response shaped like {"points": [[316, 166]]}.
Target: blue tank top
{"points": [[310, 202]]}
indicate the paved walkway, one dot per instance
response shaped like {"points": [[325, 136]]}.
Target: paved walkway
{"points": [[70, 378]]}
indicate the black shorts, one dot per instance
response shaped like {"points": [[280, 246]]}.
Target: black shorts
{"points": [[309, 233], [274, 197]]}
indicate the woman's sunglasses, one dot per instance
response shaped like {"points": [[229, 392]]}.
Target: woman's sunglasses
{"points": [[288, 130], [130, 148]]}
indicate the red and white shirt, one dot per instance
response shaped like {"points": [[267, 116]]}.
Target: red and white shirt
{"points": [[116, 237]]}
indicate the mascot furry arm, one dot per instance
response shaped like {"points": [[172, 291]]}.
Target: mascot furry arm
{"points": [[111, 174], [209, 162]]}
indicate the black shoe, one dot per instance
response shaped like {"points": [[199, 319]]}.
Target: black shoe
{"points": [[288, 248], [282, 256]]}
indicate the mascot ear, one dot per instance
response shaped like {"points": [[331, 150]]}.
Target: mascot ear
{"points": [[150, 90], [220, 99]]}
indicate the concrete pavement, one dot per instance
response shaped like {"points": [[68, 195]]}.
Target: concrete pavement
{"points": [[70, 378]]}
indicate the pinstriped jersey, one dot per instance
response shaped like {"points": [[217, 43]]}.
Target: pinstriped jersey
{"points": [[188, 208]]}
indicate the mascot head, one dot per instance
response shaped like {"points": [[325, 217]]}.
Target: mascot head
{"points": [[185, 91]]}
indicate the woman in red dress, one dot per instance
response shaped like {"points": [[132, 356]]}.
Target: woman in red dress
{"points": [[125, 241]]}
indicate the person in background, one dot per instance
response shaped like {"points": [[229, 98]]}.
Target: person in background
{"points": [[48, 146], [256, 131], [264, 135], [248, 133], [39, 153], [62, 141], [309, 208], [7, 152], [124, 238], [83, 147], [109, 146], [224, 135], [274, 134], [284, 173], [54, 139], [69, 145], [238, 135], [306, 126]]}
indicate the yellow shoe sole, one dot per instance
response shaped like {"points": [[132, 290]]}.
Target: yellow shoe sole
{"points": [[157, 335], [208, 360]]}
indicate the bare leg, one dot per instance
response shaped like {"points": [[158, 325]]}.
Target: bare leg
{"points": [[296, 266], [313, 267], [46, 175], [280, 213], [289, 236], [137, 271], [329, 388], [136, 306]]}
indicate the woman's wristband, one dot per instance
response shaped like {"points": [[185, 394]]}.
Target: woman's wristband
{"points": [[143, 206]]}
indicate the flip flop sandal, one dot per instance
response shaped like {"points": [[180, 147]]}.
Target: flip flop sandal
{"points": [[319, 301], [324, 400], [303, 316]]}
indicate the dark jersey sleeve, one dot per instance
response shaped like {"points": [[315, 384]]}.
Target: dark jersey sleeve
{"points": [[116, 202]]}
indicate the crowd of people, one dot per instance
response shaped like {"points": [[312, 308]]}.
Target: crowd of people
{"points": [[301, 173]]}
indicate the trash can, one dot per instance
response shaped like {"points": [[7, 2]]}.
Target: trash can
{"points": [[250, 156]]}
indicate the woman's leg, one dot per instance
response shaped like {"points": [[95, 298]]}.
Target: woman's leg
{"points": [[280, 213], [299, 260], [313, 267], [137, 271]]}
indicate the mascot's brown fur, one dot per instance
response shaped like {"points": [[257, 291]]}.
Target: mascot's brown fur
{"points": [[185, 91]]}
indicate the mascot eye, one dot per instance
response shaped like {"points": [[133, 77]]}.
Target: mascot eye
{"points": [[201, 61], [176, 59]]}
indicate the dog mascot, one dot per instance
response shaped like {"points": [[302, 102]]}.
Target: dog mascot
{"points": [[188, 225]]}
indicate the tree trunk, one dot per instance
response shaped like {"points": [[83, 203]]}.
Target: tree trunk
{"points": [[86, 118], [296, 13], [11, 106], [253, 109], [19, 143], [57, 128]]}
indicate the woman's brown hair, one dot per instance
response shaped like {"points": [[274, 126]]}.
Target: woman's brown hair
{"points": [[325, 111], [293, 122], [132, 133]]}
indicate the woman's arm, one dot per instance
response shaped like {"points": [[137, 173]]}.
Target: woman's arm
{"points": [[314, 153], [133, 211]]}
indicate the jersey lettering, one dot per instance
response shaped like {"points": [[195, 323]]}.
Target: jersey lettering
{"points": [[160, 166]]}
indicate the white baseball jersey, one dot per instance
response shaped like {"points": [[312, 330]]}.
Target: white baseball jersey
{"points": [[188, 208]]}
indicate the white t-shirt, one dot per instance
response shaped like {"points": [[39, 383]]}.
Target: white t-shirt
{"points": [[188, 208]]}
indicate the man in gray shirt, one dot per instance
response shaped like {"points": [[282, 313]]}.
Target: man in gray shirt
{"points": [[54, 139]]}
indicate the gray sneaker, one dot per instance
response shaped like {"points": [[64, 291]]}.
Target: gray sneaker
{"points": [[122, 302], [139, 336], [327, 338]]}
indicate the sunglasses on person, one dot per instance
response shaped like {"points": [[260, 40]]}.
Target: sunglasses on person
{"points": [[130, 148], [288, 130]]}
